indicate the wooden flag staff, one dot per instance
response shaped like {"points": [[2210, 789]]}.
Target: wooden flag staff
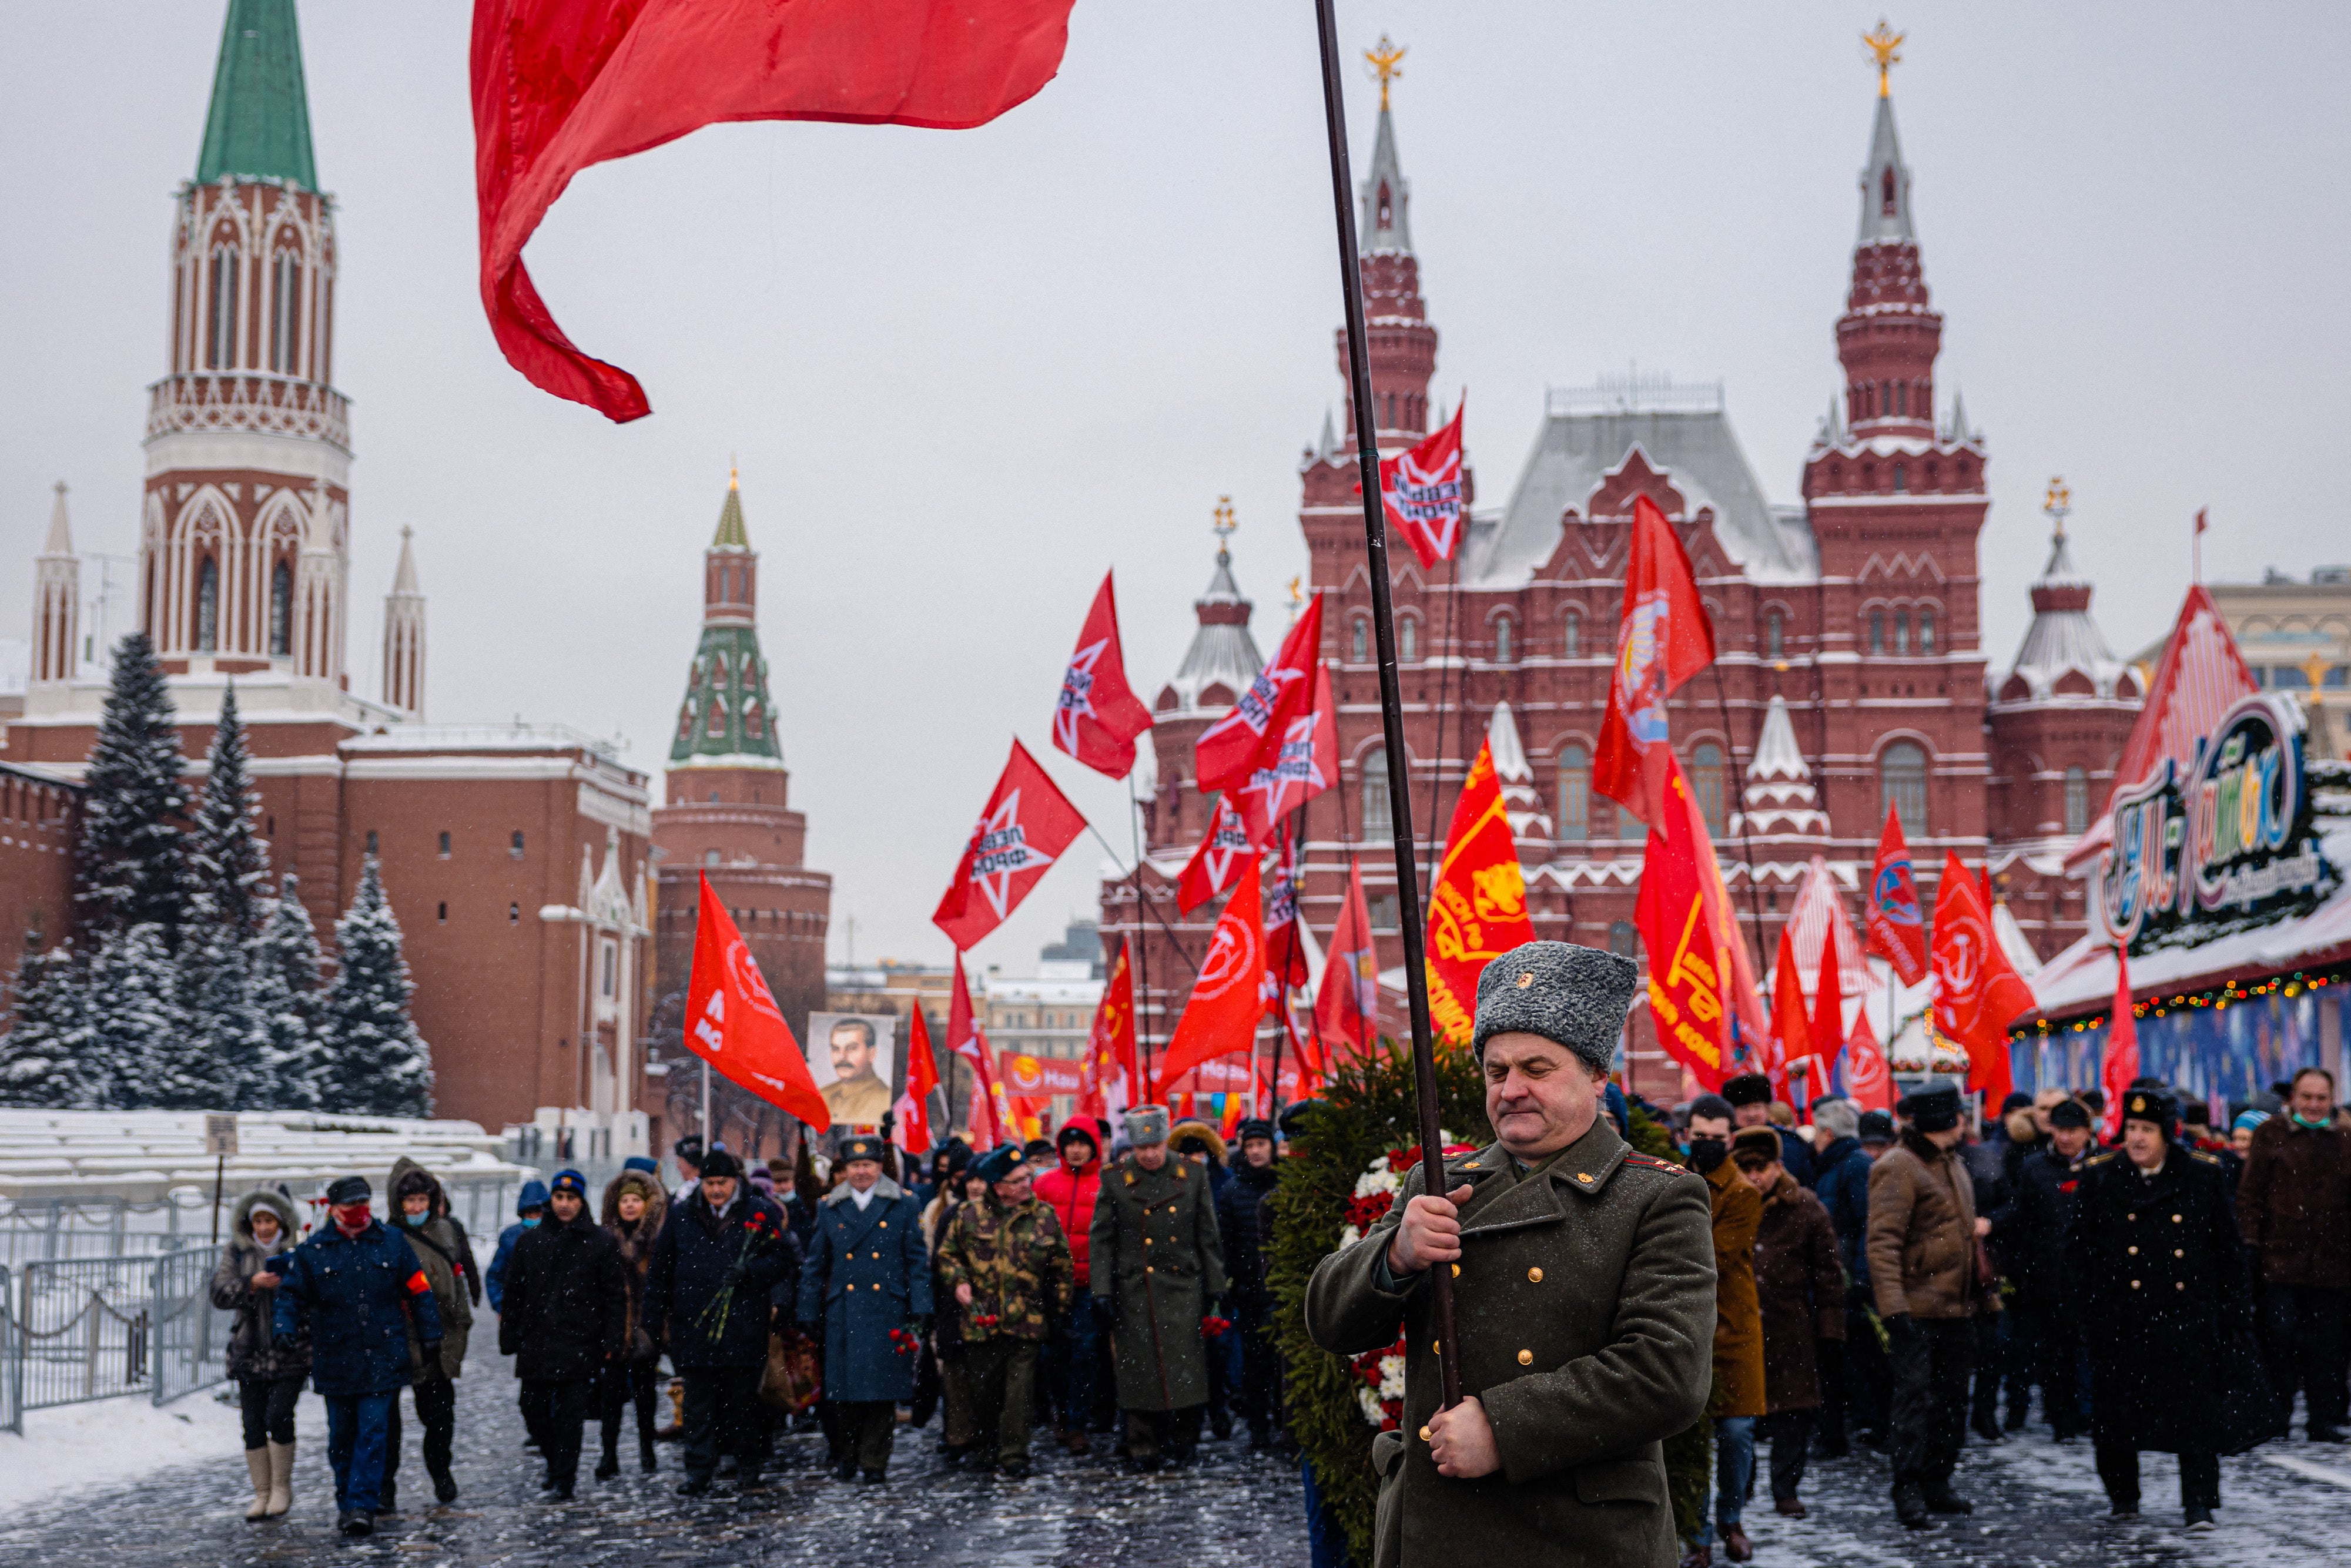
{"points": [[1367, 452]]}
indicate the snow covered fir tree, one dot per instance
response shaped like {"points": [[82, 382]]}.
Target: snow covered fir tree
{"points": [[188, 985]]}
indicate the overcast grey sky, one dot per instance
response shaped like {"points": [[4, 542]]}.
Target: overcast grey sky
{"points": [[966, 371]]}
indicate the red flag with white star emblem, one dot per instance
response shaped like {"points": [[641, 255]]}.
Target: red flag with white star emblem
{"points": [[734, 1024], [1422, 492], [1217, 864], [1303, 767], [1099, 715], [1249, 737], [1221, 1016], [1027, 823], [1662, 641]]}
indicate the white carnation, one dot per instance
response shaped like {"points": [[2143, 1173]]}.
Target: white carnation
{"points": [[1370, 1404], [1391, 1377], [1349, 1236]]}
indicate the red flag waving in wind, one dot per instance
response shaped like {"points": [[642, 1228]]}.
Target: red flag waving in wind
{"points": [[1249, 737], [1898, 929], [1222, 1017], [1866, 1080], [991, 1108], [911, 1125], [562, 85], [1978, 992], [1217, 864], [1476, 901], [733, 1022], [1099, 715], [1790, 1031], [1107, 1084], [1422, 492], [1347, 1008], [2120, 1063], [1662, 641], [1285, 949], [1702, 993], [1026, 823], [1304, 769]]}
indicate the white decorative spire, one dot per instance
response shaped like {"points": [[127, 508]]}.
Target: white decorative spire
{"points": [[1777, 755], [403, 634], [61, 530], [1884, 179], [1779, 801], [1520, 800], [1326, 450], [56, 602], [1385, 223]]}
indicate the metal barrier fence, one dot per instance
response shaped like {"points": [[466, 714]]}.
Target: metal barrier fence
{"points": [[190, 1335], [83, 1328], [12, 1390]]}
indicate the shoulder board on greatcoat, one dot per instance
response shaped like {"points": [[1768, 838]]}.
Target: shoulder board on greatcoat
{"points": [[2099, 1158], [2208, 1159], [1650, 1162]]}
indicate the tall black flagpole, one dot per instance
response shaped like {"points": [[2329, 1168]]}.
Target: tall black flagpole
{"points": [[1376, 543]]}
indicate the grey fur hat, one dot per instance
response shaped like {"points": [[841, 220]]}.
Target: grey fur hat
{"points": [[1575, 996], [1145, 1125]]}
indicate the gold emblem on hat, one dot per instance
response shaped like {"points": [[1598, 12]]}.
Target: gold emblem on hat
{"points": [[2139, 1102], [1526, 978]]}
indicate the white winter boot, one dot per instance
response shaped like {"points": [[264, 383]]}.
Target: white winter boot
{"points": [[281, 1478], [256, 1465]]}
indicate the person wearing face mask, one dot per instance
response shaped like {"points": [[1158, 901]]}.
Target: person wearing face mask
{"points": [[530, 1208], [446, 1256], [354, 1288], [1735, 1210], [267, 1371], [634, 1209], [2294, 1208]]}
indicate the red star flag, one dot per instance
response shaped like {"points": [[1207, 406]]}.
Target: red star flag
{"points": [[1421, 490], [1221, 1016], [991, 1109], [1977, 993], [1099, 715], [1303, 767], [562, 85], [1663, 639], [1476, 901], [733, 1022], [1026, 823], [1216, 864], [1347, 1008], [1249, 737]]}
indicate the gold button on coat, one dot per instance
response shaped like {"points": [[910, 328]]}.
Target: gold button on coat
{"points": [[2132, 1250], [1526, 1358], [1534, 1276], [1424, 1434], [2134, 1284], [1456, 1270], [2179, 1285]]}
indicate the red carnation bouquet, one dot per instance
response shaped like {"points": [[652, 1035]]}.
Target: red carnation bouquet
{"points": [[1212, 1325], [905, 1341], [758, 1231]]}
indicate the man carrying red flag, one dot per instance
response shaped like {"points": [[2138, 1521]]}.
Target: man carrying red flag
{"points": [[1304, 767], [1663, 639], [733, 1023], [1476, 901], [1025, 825], [1099, 715], [562, 85], [1421, 490], [1977, 993], [1221, 1016], [1231, 750], [1897, 930], [1347, 1008], [911, 1120]]}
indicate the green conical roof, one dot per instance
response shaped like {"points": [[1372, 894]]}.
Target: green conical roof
{"points": [[260, 125], [728, 716], [731, 531]]}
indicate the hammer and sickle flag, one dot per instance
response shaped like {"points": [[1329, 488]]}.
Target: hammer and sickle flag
{"points": [[1702, 994], [1478, 902], [733, 1023]]}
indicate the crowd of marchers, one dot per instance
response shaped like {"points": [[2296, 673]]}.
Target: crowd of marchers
{"points": [[1899, 1280], [1097, 1283]]}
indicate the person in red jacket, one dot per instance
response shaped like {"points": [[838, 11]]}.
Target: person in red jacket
{"points": [[1069, 1190]]}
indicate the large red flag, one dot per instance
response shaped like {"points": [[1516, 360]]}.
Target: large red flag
{"points": [[1663, 639], [1222, 1017], [1828, 999], [560, 85], [1304, 766], [1099, 715], [1027, 823], [734, 1022], [2120, 1064], [1347, 1008], [1791, 1035], [1476, 901], [1897, 929], [911, 1125], [1232, 750], [1106, 1085], [1216, 864], [1422, 492], [1702, 992], [1868, 1081], [991, 1109], [1977, 993]]}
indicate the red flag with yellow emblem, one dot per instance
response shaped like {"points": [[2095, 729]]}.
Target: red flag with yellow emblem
{"points": [[1701, 980], [1478, 903]]}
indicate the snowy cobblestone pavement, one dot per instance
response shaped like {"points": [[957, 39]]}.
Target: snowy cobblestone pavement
{"points": [[2036, 1503]]}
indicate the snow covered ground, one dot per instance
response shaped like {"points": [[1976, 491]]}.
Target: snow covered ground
{"points": [[79, 1447]]}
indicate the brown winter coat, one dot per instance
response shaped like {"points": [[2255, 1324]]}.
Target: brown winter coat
{"points": [[1922, 1231], [2294, 1203], [1584, 1304], [442, 1252], [637, 1251], [1737, 1209], [1801, 1288]]}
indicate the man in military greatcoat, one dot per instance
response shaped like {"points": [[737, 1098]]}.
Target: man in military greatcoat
{"points": [[866, 1287], [2155, 1273], [1583, 1294], [1157, 1263]]}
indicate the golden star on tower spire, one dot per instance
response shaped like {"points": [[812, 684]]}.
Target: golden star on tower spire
{"points": [[1886, 45], [1387, 64]]}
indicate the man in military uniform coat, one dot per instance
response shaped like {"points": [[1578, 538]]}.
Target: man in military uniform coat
{"points": [[1006, 1263], [1583, 1290], [2155, 1273], [1158, 1264], [866, 1287]]}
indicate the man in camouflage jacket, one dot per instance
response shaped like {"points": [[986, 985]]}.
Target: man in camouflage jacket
{"points": [[1008, 1265]]}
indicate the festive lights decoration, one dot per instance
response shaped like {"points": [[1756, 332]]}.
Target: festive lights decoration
{"points": [[2291, 984]]}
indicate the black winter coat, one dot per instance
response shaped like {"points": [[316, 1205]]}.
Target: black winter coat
{"points": [[566, 1301], [696, 1252], [1843, 1185], [1238, 1206], [2154, 1276], [2030, 1230]]}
